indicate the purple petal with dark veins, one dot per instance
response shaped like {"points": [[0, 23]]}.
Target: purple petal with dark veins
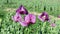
{"points": [[33, 18], [17, 17], [44, 17], [22, 10], [30, 18]]}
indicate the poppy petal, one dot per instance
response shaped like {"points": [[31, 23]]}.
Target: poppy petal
{"points": [[17, 17], [23, 23], [33, 18], [44, 17], [22, 10], [27, 18], [40, 19]]}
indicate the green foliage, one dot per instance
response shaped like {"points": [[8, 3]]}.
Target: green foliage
{"points": [[52, 7]]}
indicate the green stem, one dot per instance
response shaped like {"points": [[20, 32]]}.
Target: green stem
{"points": [[43, 27], [22, 30]]}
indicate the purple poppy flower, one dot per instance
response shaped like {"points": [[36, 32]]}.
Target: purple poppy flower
{"points": [[44, 17], [53, 24], [22, 10], [30, 18], [17, 17]]}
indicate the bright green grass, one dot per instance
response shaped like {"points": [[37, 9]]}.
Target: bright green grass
{"points": [[34, 5]]}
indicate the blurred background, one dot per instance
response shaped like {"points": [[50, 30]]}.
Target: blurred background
{"points": [[51, 6]]}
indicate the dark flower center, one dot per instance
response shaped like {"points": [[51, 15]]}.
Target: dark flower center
{"points": [[22, 12], [18, 17]]}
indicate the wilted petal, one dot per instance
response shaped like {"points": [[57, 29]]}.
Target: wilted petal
{"points": [[44, 17], [22, 10], [53, 24], [17, 17], [23, 23]]}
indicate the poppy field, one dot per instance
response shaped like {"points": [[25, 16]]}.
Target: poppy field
{"points": [[29, 16]]}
